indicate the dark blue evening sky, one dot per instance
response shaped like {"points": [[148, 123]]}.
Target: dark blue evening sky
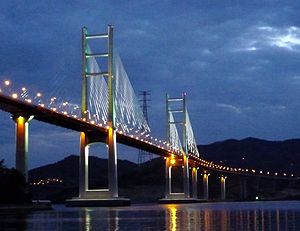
{"points": [[238, 61]]}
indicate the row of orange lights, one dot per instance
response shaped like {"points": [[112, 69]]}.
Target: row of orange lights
{"points": [[169, 147], [54, 109], [211, 165]]}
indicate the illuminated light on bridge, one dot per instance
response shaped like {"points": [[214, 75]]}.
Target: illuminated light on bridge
{"points": [[172, 161], [46, 181], [6, 82], [14, 95]]}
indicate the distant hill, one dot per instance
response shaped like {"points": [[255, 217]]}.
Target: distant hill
{"points": [[146, 182], [67, 169], [131, 177], [257, 153]]}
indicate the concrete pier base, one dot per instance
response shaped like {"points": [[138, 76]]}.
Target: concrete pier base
{"points": [[177, 198]]}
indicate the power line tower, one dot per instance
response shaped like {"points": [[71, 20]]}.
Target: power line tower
{"points": [[144, 99]]}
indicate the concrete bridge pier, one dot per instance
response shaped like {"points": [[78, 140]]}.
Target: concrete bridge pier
{"points": [[21, 122], [243, 188], [205, 186], [186, 176], [112, 163], [223, 187], [195, 182], [97, 197], [83, 166], [168, 177], [176, 198]]}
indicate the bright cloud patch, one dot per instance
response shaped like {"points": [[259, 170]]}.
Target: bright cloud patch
{"points": [[288, 38], [260, 37], [230, 107]]}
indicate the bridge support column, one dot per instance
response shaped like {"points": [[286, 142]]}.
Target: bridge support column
{"points": [[186, 176], [223, 187], [168, 178], [22, 144], [176, 197], [112, 163], [205, 186], [83, 166], [195, 182], [243, 188]]}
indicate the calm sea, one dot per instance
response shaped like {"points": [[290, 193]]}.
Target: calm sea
{"points": [[233, 216]]}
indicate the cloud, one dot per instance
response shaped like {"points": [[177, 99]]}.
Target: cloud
{"points": [[288, 38], [198, 64], [296, 79], [231, 108], [256, 38]]}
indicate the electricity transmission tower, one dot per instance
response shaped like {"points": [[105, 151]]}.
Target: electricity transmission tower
{"points": [[144, 98]]}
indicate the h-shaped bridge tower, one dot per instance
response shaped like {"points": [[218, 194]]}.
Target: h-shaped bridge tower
{"points": [[177, 117], [109, 195]]}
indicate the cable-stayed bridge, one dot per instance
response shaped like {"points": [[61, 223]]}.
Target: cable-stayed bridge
{"points": [[110, 113]]}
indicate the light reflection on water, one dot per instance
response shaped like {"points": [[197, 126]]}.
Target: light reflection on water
{"points": [[257, 216]]}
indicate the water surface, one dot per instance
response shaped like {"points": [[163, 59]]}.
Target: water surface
{"points": [[233, 216]]}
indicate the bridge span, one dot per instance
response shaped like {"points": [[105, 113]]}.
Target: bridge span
{"points": [[99, 134]]}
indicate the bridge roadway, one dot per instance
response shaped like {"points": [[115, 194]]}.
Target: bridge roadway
{"points": [[99, 134]]}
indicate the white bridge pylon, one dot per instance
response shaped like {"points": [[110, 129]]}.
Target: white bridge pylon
{"points": [[177, 117], [108, 99]]}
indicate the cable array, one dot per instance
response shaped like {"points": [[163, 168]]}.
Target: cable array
{"points": [[174, 139], [129, 116], [191, 141], [97, 93]]}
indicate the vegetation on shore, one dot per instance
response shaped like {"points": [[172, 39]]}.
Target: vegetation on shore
{"points": [[13, 189]]}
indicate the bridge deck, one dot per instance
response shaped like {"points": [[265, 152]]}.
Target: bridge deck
{"points": [[99, 134]]}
